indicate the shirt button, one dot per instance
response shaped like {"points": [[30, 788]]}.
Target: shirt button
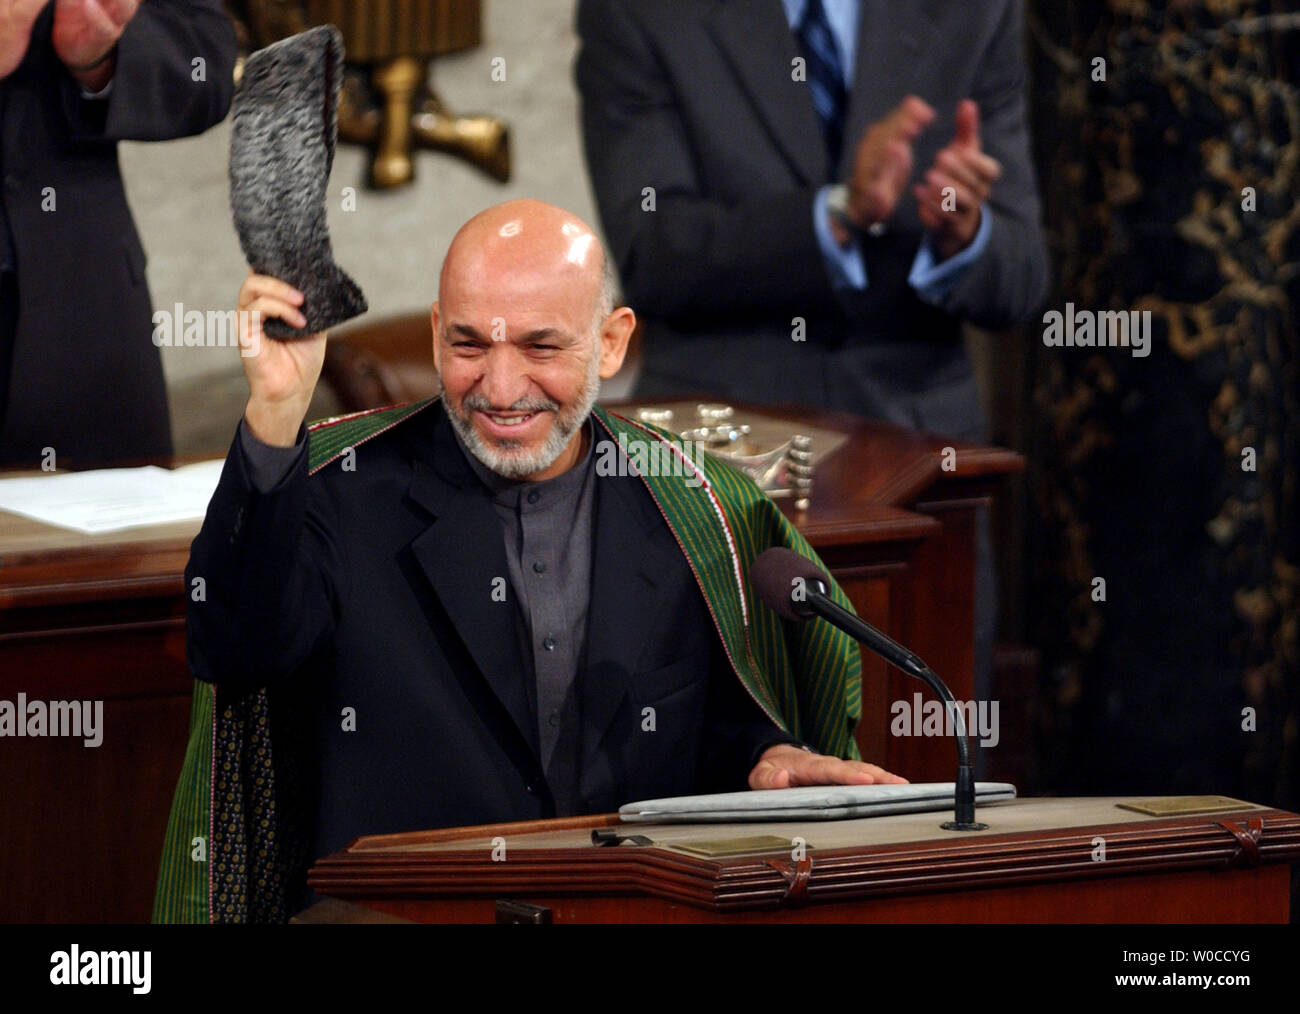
{"points": [[534, 496], [549, 643], [539, 567], [554, 719]]}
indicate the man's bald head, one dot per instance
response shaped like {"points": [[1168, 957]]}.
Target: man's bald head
{"points": [[524, 328], [510, 245]]}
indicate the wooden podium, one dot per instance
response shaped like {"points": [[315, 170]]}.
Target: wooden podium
{"points": [[1082, 860], [102, 617]]}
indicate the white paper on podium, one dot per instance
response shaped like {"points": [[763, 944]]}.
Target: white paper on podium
{"points": [[113, 499], [815, 802]]}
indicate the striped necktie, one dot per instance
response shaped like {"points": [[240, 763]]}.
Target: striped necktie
{"points": [[825, 77]]}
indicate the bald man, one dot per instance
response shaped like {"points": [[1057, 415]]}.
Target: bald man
{"points": [[463, 617]]}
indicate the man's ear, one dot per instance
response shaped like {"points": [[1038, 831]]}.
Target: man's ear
{"points": [[435, 318], [615, 333]]}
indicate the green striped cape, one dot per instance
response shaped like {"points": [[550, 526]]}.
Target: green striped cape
{"points": [[227, 848]]}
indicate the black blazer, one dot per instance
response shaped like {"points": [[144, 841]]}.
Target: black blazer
{"points": [[371, 590], [86, 378]]}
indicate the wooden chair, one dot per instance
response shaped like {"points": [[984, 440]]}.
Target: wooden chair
{"points": [[382, 363]]}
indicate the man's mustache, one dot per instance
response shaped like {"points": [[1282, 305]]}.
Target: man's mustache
{"points": [[480, 403]]}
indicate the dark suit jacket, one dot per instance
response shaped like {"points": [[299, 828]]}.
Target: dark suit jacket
{"points": [[695, 98], [86, 377], [371, 589]]}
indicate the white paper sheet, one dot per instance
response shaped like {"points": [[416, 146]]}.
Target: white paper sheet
{"points": [[113, 499]]}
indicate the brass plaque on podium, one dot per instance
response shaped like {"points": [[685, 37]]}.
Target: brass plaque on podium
{"points": [[1178, 806]]}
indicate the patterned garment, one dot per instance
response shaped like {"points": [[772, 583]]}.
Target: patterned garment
{"points": [[237, 835]]}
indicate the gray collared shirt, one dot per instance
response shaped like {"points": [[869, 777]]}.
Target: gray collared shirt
{"points": [[548, 537]]}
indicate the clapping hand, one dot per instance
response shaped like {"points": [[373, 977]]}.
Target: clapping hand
{"points": [[957, 183]]}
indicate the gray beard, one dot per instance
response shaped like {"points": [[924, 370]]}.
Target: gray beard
{"points": [[505, 457]]}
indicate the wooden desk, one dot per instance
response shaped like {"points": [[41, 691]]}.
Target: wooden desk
{"points": [[81, 828], [1038, 862], [103, 618]]}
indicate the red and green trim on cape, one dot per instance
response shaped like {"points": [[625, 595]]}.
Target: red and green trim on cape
{"points": [[224, 855]]}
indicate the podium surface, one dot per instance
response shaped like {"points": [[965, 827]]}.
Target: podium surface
{"points": [[1041, 860]]}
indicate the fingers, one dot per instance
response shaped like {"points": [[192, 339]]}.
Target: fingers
{"points": [[264, 285], [959, 199], [882, 776], [271, 297], [952, 220], [121, 11], [100, 20], [799, 769], [21, 15], [910, 117], [767, 775], [898, 164], [929, 206], [879, 194], [976, 175], [931, 218], [269, 306], [985, 166], [967, 133], [834, 771]]}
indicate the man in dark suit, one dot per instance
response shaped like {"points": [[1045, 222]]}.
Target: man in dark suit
{"points": [[477, 623], [795, 224], [792, 222], [79, 372]]}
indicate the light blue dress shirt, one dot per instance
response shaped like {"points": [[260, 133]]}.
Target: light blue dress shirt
{"points": [[931, 280]]}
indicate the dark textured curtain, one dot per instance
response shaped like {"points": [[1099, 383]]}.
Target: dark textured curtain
{"points": [[1173, 185]]}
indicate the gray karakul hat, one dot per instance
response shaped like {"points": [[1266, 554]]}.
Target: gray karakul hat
{"points": [[281, 150]]}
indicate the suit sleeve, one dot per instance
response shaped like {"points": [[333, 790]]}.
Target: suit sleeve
{"points": [[1008, 282], [155, 95], [692, 253], [264, 577], [736, 732]]}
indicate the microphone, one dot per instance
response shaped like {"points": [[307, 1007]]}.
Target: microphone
{"points": [[797, 589]]}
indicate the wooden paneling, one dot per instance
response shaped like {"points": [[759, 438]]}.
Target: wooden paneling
{"points": [[1248, 896], [81, 828]]}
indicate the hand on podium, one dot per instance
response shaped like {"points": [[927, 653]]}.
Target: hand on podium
{"points": [[786, 767]]}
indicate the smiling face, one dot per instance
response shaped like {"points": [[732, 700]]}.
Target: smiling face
{"points": [[522, 335]]}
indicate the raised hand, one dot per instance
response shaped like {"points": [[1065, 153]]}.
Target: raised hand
{"points": [[282, 375], [953, 218], [16, 20]]}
